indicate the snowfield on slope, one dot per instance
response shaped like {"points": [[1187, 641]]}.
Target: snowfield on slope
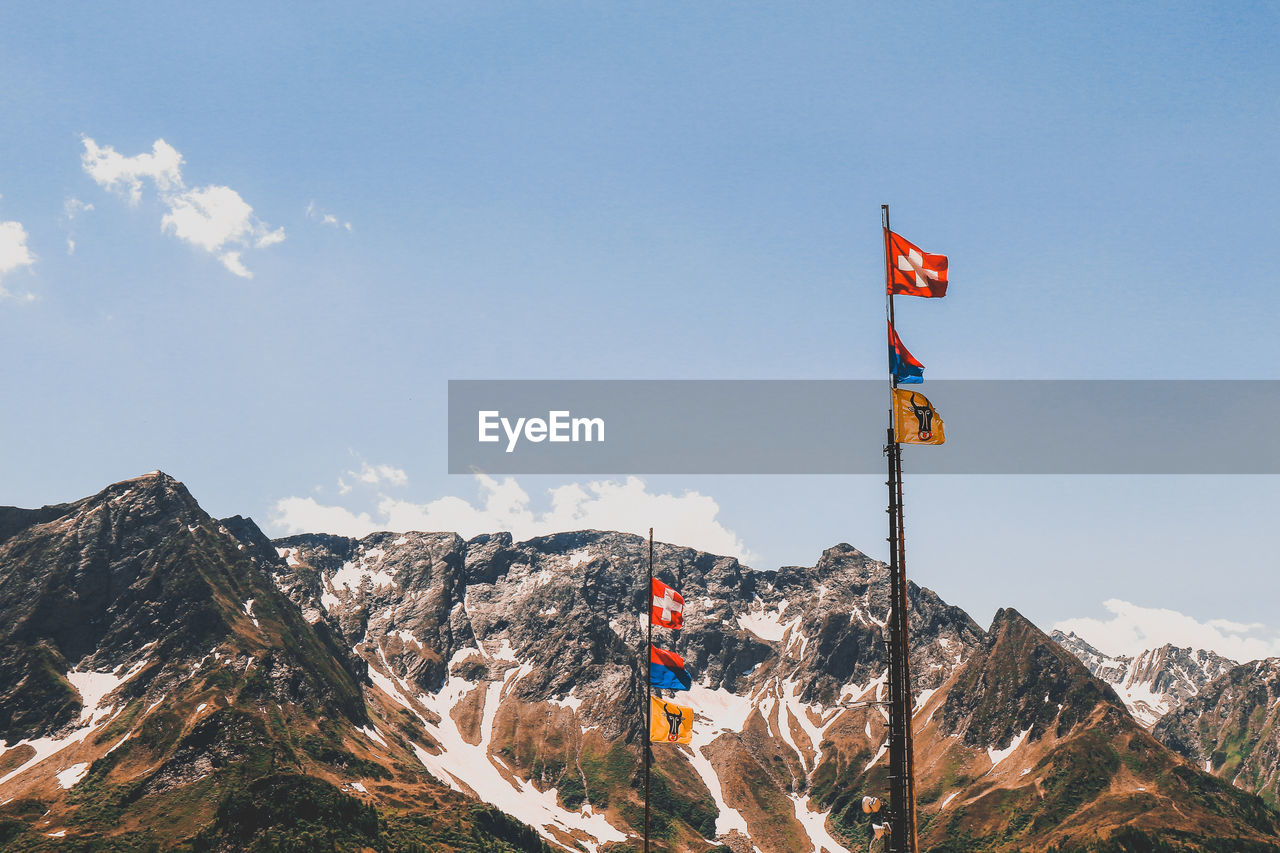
{"points": [[470, 768]]}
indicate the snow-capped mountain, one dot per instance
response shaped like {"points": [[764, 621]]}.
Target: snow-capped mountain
{"points": [[550, 630], [1154, 682], [171, 680]]}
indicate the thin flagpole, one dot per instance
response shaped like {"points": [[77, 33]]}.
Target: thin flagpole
{"points": [[908, 701], [648, 689], [901, 763], [896, 768]]}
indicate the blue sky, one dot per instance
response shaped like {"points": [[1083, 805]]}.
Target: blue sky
{"points": [[582, 190]]}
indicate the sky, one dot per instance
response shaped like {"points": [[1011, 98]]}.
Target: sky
{"points": [[249, 246]]}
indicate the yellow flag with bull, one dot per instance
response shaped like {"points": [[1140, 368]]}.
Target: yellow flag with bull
{"points": [[915, 420], [669, 722]]}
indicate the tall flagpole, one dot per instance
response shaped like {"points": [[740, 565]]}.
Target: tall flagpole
{"points": [[648, 689], [902, 814]]}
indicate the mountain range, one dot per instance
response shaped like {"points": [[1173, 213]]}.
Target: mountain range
{"points": [[1153, 682], [169, 680]]}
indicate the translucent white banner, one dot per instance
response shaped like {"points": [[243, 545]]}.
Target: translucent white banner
{"points": [[838, 427]]}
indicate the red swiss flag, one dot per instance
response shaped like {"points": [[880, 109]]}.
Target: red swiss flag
{"points": [[667, 607], [913, 271]]}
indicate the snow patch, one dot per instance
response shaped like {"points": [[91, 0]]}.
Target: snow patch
{"points": [[436, 767], [534, 580], [353, 576], [573, 703], [387, 686], [73, 774], [407, 637], [372, 734], [93, 686], [998, 755], [724, 712], [767, 625], [1146, 706], [471, 766], [815, 826], [48, 746], [248, 611]]}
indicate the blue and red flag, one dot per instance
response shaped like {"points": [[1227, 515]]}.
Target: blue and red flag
{"points": [[666, 670], [902, 364]]}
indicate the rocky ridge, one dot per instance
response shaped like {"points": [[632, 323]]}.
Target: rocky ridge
{"points": [[1152, 683], [1232, 728], [414, 690]]}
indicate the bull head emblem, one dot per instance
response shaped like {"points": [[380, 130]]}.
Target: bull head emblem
{"points": [[674, 720], [924, 418]]}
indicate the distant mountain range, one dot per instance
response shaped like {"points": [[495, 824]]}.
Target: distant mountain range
{"points": [[1155, 681], [172, 681]]}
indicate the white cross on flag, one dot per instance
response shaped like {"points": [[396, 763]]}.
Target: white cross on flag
{"points": [[913, 271], [667, 607]]}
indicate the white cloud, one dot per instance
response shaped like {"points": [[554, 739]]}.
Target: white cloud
{"points": [[213, 218], [1132, 629], [217, 217], [323, 218], [208, 217], [375, 474], [14, 254], [231, 260], [114, 171], [306, 515], [686, 519]]}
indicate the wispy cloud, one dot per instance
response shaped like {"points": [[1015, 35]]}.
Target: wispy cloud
{"points": [[212, 218], [14, 255], [316, 214], [376, 474], [1132, 628], [628, 506], [371, 475], [72, 209]]}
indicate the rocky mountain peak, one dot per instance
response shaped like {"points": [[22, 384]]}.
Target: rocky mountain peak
{"points": [[1231, 727], [102, 585], [1019, 681], [1154, 681]]}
